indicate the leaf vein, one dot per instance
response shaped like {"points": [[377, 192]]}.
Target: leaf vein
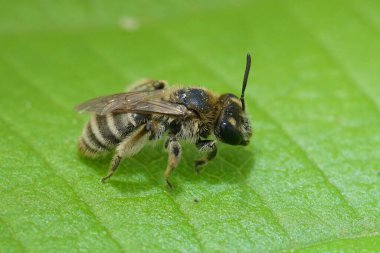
{"points": [[325, 242]]}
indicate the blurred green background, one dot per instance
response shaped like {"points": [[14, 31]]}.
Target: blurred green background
{"points": [[307, 182]]}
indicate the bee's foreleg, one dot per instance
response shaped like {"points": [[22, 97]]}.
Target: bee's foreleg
{"points": [[127, 148], [210, 148], [174, 156], [147, 85]]}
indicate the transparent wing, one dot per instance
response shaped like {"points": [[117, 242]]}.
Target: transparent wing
{"points": [[140, 102]]}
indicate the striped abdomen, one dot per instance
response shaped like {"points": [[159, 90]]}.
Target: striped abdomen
{"points": [[104, 132]]}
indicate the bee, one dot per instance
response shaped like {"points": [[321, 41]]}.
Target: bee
{"points": [[150, 111]]}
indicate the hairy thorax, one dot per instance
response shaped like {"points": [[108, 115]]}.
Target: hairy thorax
{"points": [[202, 103]]}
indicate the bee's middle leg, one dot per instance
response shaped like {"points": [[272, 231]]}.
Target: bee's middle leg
{"points": [[210, 148], [174, 156]]}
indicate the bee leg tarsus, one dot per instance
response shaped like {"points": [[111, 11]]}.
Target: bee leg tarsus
{"points": [[209, 147], [104, 179], [197, 165], [113, 167], [170, 186], [174, 156]]}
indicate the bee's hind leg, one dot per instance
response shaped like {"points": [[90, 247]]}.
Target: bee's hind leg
{"points": [[210, 148], [147, 85], [116, 159], [127, 148], [174, 156]]}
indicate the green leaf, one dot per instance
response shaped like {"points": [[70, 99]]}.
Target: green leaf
{"points": [[308, 181]]}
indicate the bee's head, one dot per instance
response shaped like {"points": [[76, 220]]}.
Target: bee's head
{"points": [[232, 125]]}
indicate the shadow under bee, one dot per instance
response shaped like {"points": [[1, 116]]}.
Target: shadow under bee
{"points": [[145, 170], [232, 165], [132, 176]]}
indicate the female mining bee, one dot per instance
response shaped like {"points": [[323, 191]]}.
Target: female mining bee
{"points": [[125, 122]]}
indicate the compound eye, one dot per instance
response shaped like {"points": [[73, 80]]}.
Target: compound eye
{"points": [[229, 132]]}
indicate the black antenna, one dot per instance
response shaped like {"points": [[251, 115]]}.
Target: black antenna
{"points": [[246, 73]]}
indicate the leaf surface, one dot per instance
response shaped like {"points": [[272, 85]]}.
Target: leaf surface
{"points": [[308, 181]]}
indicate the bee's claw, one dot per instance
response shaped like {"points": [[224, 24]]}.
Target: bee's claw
{"points": [[170, 186], [197, 165], [104, 179]]}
